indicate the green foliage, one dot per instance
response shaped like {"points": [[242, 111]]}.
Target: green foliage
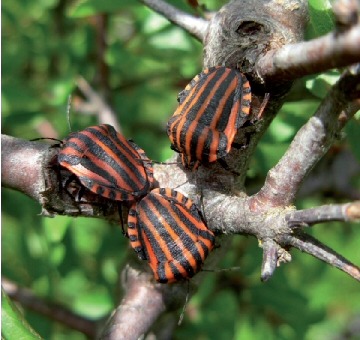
{"points": [[321, 18], [75, 262], [13, 324]]}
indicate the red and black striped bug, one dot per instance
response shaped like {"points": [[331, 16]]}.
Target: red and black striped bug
{"points": [[212, 107], [107, 164], [167, 230]]}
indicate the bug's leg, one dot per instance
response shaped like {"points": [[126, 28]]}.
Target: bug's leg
{"points": [[226, 167], [80, 193], [122, 220], [65, 185], [242, 146], [185, 304], [262, 106], [238, 146]]}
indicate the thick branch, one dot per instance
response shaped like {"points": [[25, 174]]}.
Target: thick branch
{"points": [[312, 246], [318, 55], [142, 304], [310, 144], [195, 26], [333, 212], [51, 310], [21, 166]]}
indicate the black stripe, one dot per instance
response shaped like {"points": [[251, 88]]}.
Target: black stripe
{"points": [[190, 114], [182, 232], [118, 146], [179, 199], [96, 151], [208, 115], [194, 144], [161, 273], [223, 120], [175, 251], [194, 230], [205, 94], [174, 132]]}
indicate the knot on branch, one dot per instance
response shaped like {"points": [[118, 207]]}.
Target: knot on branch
{"points": [[243, 30]]}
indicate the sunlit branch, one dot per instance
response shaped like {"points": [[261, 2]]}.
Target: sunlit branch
{"points": [[311, 143], [195, 26], [95, 104], [143, 302], [314, 247], [333, 50], [333, 212]]}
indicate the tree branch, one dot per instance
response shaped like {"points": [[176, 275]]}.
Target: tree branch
{"points": [[142, 304], [51, 310], [310, 143], [318, 55], [95, 104], [312, 246], [195, 26], [20, 157], [270, 259], [333, 212]]}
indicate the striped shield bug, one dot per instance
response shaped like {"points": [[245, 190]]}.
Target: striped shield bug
{"points": [[167, 229], [212, 107], [107, 164]]}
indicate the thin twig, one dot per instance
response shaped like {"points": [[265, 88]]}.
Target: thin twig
{"points": [[270, 257], [97, 104], [102, 75], [332, 212], [310, 57], [195, 26], [53, 311], [310, 144], [314, 247]]}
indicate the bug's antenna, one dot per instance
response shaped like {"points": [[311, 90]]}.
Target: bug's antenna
{"points": [[68, 108], [221, 269], [185, 304]]}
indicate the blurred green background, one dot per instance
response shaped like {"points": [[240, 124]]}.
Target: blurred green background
{"points": [[146, 61]]}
